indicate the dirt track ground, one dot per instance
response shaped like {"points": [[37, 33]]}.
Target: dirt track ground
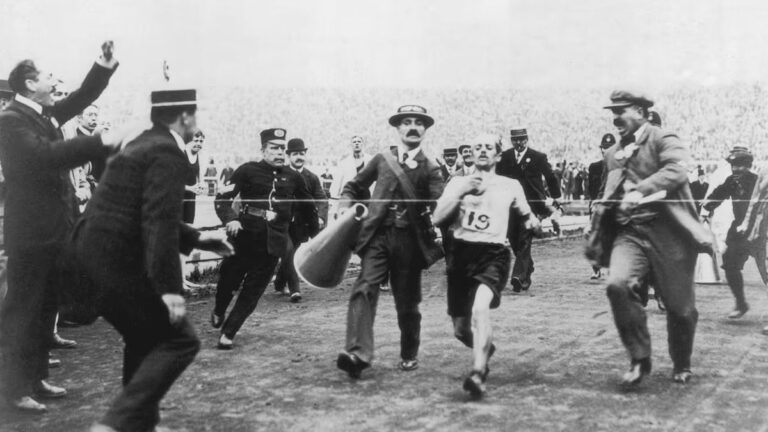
{"points": [[557, 367]]}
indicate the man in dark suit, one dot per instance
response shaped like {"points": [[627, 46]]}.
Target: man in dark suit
{"points": [[271, 193], [595, 182], [531, 168], [450, 156], [737, 187], [389, 242], [300, 229], [656, 241], [39, 215], [468, 167], [699, 188], [6, 94], [128, 244]]}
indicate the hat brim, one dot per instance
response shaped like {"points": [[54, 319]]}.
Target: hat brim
{"points": [[740, 158], [395, 119], [618, 105], [276, 141], [289, 151]]}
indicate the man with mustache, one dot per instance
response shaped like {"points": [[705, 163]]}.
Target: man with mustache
{"points": [[450, 155], [392, 240], [468, 168], [39, 214], [531, 168], [300, 230], [738, 187], [477, 207], [655, 241], [271, 194]]}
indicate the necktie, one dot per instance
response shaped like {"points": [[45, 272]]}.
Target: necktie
{"points": [[405, 157]]}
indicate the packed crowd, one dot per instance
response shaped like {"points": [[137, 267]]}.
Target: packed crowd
{"points": [[567, 124]]}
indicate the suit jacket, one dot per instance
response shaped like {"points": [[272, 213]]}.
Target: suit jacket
{"points": [[98, 165], [595, 179], [302, 229], [39, 209], [661, 163], [426, 179], [699, 192], [532, 172], [132, 225]]}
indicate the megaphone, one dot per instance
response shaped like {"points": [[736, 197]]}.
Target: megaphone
{"points": [[706, 270], [322, 261]]}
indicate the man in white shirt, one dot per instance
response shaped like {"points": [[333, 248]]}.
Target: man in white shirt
{"points": [[477, 207], [346, 171]]}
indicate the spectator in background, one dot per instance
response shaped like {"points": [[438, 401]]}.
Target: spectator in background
{"points": [[346, 170], [226, 172], [468, 167], [88, 125], [654, 118], [595, 182], [193, 177], [449, 167], [699, 188], [210, 177], [300, 230], [327, 180]]}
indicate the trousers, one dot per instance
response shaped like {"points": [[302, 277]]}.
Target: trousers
{"points": [[251, 265], [653, 252], [392, 251], [521, 240], [737, 253], [27, 319]]}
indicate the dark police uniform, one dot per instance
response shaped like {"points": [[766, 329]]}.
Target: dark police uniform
{"points": [[268, 193], [739, 189]]}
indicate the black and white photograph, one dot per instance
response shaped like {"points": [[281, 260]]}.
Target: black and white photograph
{"points": [[383, 215]]}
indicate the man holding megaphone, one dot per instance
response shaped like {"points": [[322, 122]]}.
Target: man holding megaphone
{"points": [[395, 239]]}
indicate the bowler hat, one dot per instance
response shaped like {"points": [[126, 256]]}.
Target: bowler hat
{"points": [[295, 145], [608, 141], [740, 156], [625, 98], [411, 111], [274, 135]]}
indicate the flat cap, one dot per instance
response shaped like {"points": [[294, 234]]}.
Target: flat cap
{"points": [[274, 135], [625, 98]]}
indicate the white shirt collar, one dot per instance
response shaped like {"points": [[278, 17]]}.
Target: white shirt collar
{"points": [[299, 170], [179, 141], [411, 153], [639, 132], [469, 169], [84, 130], [30, 103]]}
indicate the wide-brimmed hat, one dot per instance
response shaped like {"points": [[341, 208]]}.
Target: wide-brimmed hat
{"points": [[295, 145], [518, 132], [411, 111], [740, 156], [625, 98]]}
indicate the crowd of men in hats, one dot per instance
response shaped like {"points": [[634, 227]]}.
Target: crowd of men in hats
{"points": [[125, 246]]}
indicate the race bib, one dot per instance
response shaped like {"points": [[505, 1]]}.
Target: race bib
{"points": [[476, 220]]}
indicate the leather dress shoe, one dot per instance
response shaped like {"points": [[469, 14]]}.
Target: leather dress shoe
{"points": [[682, 376], [61, 343], [738, 312], [216, 320], [408, 365], [475, 384], [47, 391], [517, 286], [351, 364], [27, 404], [295, 297], [225, 343], [637, 371]]}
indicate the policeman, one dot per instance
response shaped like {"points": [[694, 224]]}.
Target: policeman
{"points": [[270, 192]]}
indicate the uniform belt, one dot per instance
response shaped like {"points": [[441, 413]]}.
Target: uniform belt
{"points": [[253, 211]]}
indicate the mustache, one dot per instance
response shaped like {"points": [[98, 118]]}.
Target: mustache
{"points": [[618, 122], [412, 133]]}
